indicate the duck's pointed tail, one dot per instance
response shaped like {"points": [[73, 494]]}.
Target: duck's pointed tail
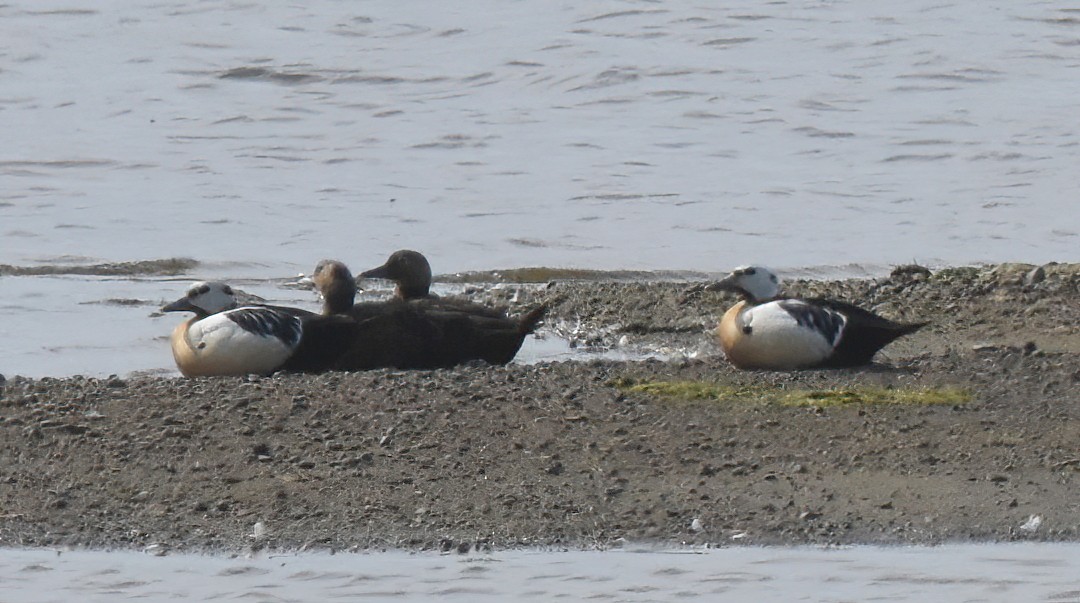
{"points": [[910, 327], [528, 321], [861, 340]]}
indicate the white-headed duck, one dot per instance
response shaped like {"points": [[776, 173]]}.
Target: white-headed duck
{"points": [[223, 339], [763, 331]]}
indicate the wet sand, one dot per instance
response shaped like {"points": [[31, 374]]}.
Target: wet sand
{"points": [[570, 454]]}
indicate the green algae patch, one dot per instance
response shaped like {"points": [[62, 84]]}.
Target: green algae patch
{"points": [[875, 395], [858, 396]]}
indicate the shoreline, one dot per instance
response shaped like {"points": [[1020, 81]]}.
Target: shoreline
{"points": [[571, 455]]}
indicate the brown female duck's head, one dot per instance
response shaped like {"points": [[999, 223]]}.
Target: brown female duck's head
{"points": [[409, 270], [336, 285]]}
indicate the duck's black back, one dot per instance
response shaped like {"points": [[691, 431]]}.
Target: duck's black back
{"points": [[865, 333]]}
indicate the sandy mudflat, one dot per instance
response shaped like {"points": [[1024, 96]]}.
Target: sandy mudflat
{"points": [[569, 453]]}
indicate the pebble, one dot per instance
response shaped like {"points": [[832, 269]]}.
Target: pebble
{"points": [[1035, 276], [1032, 524]]}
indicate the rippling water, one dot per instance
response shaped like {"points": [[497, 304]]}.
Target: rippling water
{"points": [[1006, 573], [256, 139], [686, 135]]}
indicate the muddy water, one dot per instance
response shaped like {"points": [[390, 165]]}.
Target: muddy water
{"points": [[1004, 572]]}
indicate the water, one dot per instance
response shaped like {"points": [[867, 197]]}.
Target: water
{"points": [[823, 137], [1007, 573], [630, 135]]}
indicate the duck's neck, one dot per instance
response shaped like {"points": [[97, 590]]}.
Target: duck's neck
{"points": [[748, 297], [338, 297], [411, 291]]}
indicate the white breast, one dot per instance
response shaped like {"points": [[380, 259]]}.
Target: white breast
{"points": [[769, 337], [216, 345]]}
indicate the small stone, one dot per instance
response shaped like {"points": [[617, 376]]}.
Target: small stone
{"points": [[157, 550], [1032, 524], [1035, 276], [912, 272]]}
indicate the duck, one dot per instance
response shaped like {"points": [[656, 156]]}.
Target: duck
{"points": [[766, 331], [421, 331], [410, 271], [224, 339]]}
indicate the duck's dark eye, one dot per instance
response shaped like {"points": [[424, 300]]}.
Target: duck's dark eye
{"points": [[750, 271], [228, 290], [203, 289], [772, 277]]}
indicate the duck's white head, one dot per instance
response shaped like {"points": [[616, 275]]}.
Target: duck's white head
{"points": [[757, 283], [205, 298]]}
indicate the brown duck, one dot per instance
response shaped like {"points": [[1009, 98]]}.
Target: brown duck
{"points": [[418, 333], [411, 274]]}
